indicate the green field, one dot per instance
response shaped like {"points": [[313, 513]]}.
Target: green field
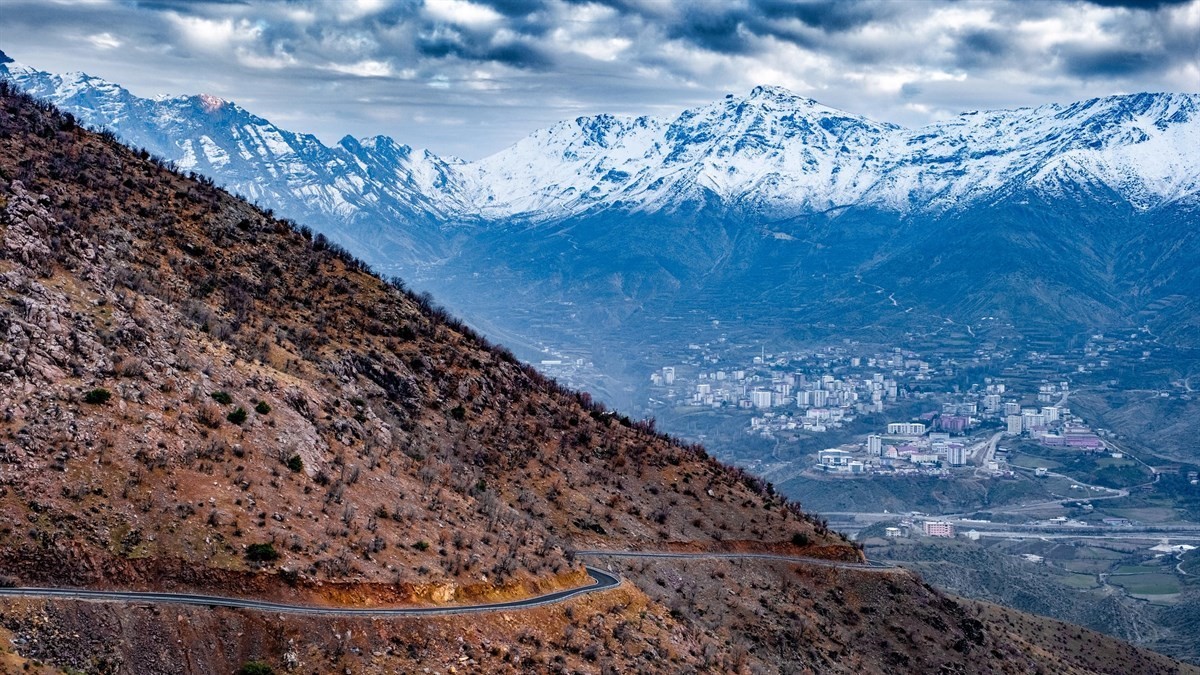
{"points": [[1138, 569], [1086, 566], [1083, 581], [1147, 584], [1031, 462], [1106, 462], [1143, 515], [1095, 469]]}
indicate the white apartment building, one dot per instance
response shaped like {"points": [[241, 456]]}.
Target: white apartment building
{"points": [[905, 429]]}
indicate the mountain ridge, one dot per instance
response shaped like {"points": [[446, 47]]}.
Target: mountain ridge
{"points": [[772, 151]]}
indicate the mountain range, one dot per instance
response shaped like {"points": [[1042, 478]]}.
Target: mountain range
{"points": [[769, 208], [770, 152]]}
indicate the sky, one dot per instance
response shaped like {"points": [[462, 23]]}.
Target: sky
{"points": [[470, 77]]}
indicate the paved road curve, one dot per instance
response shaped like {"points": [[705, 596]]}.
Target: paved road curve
{"points": [[602, 581]]}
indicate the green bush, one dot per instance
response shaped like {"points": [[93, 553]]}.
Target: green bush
{"points": [[255, 668], [421, 545], [800, 539], [262, 408], [295, 463], [261, 553], [458, 412], [97, 396], [237, 416], [222, 397]]}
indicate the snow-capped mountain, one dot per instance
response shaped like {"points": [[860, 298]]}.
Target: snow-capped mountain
{"points": [[777, 152], [746, 205], [365, 191], [771, 152]]}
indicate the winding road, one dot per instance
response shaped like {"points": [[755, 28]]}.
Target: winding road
{"points": [[601, 581]]}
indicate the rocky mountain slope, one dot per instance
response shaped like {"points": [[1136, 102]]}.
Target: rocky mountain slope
{"points": [[199, 396]]}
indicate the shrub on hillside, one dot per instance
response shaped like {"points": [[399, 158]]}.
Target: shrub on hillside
{"points": [[261, 553], [238, 416], [209, 415], [255, 668], [97, 396]]}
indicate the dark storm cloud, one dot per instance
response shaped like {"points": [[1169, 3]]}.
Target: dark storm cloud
{"points": [[1089, 63], [470, 76], [184, 5], [514, 8], [1137, 4], [718, 31], [826, 15], [441, 44], [981, 48]]}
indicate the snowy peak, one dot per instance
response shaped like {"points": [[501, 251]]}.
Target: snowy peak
{"points": [[754, 151], [768, 153], [211, 104], [372, 179]]}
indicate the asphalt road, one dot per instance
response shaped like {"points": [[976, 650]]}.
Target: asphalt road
{"points": [[602, 581], [868, 566]]}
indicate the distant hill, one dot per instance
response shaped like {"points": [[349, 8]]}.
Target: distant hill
{"points": [[197, 396]]}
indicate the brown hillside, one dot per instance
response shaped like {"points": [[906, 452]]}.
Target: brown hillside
{"points": [[194, 395]]}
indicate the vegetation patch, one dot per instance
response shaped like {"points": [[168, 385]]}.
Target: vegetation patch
{"points": [[238, 416], [255, 668], [97, 396], [261, 553]]}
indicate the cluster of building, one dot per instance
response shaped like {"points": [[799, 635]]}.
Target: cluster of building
{"points": [[792, 394], [794, 391], [906, 448], [767, 388], [927, 527]]}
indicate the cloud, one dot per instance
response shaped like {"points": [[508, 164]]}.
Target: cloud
{"points": [[366, 68], [462, 12], [505, 67], [1138, 4], [104, 41], [214, 34]]}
